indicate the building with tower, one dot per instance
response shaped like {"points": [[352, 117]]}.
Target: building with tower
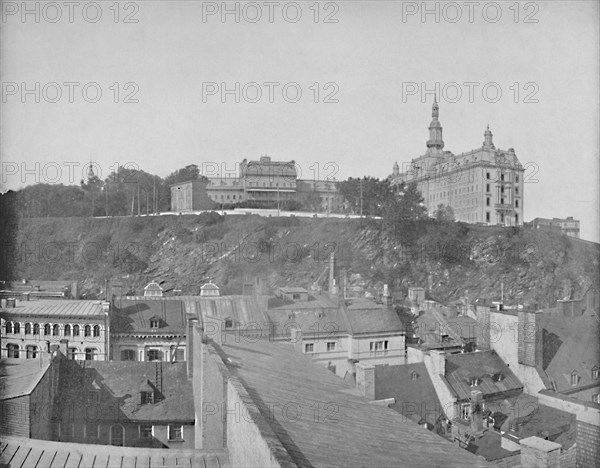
{"points": [[484, 185]]}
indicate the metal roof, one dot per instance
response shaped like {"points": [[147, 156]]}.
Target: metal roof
{"points": [[59, 308]]}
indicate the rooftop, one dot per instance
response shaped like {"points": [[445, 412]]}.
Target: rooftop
{"points": [[119, 383], [346, 430], [19, 377], [135, 316], [52, 308], [484, 366], [411, 387], [21, 452]]}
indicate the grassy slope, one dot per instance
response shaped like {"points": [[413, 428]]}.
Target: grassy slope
{"points": [[183, 251]]}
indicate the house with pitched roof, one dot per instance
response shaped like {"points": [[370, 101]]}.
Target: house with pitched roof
{"points": [[135, 404], [339, 333], [27, 389]]}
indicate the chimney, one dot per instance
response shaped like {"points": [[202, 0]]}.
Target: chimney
{"points": [[387, 297], [365, 380], [63, 346], [189, 345], [529, 347], [476, 412], [105, 306], [331, 271], [539, 453]]}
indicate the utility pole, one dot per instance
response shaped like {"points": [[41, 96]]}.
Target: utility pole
{"points": [[106, 199], [147, 203], [360, 185], [154, 198], [138, 194], [277, 201]]}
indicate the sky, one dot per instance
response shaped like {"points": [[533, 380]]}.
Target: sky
{"points": [[343, 88]]}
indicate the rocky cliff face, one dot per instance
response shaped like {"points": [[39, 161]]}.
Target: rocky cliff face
{"points": [[182, 252]]}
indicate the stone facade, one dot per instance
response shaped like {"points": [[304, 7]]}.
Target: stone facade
{"points": [[484, 185]]}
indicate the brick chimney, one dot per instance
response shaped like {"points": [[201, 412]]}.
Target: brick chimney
{"points": [[476, 412], [539, 453], [530, 338]]}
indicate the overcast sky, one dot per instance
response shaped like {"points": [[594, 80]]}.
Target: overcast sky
{"points": [[371, 59]]}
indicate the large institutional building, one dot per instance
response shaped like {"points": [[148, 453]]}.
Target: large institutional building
{"points": [[484, 185], [264, 183]]}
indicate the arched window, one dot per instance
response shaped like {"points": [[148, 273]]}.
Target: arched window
{"points": [[17, 328], [87, 331], [55, 330], [47, 329], [67, 330], [96, 330], [36, 328], [27, 328], [117, 435], [13, 350], [75, 330], [8, 327], [31, 352]]}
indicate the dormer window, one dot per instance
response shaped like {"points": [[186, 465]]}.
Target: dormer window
{"points": [[414, 375], [474, 382], [574, 378], [154, 322], [146, 397], [499, 377], [595, 372], [228, 323]]}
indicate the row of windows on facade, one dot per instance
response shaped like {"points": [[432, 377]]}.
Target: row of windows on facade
{"points": [[471, 189], [116, 432], [31, 352], [152, 355], [382, 345], [14, 328]]}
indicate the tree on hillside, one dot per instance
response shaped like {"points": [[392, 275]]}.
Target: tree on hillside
{"points": [[405, 212], [375, 194], [444, 213], [189, 172]]}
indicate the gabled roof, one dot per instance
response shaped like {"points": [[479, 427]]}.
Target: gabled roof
{"points": [[18, 452], [365, 316], [413, 396], [483, 366], [120, 384], [570, 344], [19, 377], [135, 316], [209, 286], [347, 431]]}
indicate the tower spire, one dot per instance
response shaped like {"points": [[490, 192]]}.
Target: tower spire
{"points": [[488, 142], [435, 142]]}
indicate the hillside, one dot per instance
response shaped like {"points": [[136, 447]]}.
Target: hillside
{"points": [[182, 252]]}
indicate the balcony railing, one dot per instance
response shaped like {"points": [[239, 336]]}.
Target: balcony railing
{"points": [[504, 206]]}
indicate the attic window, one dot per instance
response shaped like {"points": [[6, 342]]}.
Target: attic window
{"points": [[146, 397], [228, 323], [499, 377], [414, 375], [574, 378], [474, 382], [154, 323], [595, 372]]}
